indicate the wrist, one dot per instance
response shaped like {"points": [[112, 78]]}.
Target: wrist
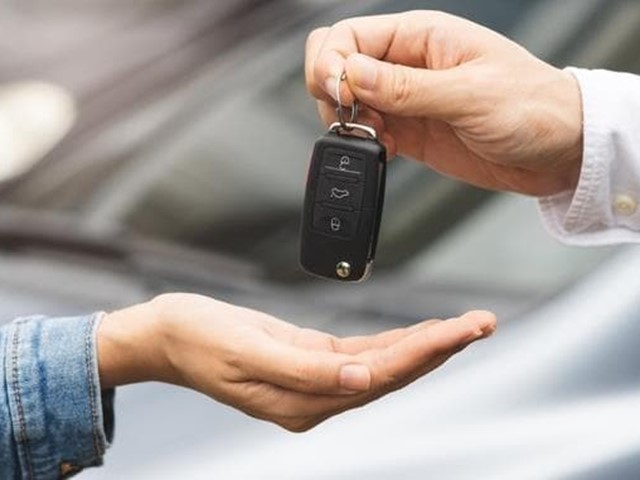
{"points": [[573, 152], [130, 347]]}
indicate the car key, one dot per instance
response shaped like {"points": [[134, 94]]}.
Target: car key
{"points": [[343, 201]]}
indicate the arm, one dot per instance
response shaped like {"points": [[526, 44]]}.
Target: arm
{"points": [[603, 209], [54, 418], [58, 375], [474, 105]]}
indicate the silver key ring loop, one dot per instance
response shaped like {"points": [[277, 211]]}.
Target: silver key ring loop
{"points": [[350, 127], [344, 123]]}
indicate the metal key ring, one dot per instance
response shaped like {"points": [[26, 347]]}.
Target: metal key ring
{"points": [[344, 124]]}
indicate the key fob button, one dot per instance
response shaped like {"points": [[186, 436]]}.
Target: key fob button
{"points": [[337, 223], [343, 163], [338, 192]]}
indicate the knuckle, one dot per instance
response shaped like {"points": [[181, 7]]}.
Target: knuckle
{"points": [[436, 16], [236, 368], [313, 74], [401, 87], [301, 377], [342, 25], [316, 34], [322, 68], [233, 354], [164, 302], [311, 84], [333, 343]]}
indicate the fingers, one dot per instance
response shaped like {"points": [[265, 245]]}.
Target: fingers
{"points": [[291, 395], [385, 358], [303, 370], [407, 91], [418, 55], [404, 355], [360, 344], [314, 44], [328, 50], [400, 361]]}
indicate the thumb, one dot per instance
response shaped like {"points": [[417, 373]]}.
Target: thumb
{"points": [[406, 91], [307, 371]]}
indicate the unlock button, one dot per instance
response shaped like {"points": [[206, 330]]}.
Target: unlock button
{"points": [[335, 222]]}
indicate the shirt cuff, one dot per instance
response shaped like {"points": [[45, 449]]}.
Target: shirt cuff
{"points": [[603, 209], [61, 420]]}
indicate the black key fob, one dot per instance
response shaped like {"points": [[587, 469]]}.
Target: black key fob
{"points": [[343, 203]]}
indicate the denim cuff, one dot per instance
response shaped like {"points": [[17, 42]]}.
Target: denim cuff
{"points": [[61, 420]]}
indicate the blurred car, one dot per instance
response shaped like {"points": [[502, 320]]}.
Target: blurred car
{"points": [[184, 171]]}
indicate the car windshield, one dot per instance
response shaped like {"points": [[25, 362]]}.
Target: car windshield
{"points": [[194, 127]]}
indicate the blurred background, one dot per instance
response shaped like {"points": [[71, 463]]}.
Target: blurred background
{"points": [[149, 146]]}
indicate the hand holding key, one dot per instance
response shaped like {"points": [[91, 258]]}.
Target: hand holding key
{"points": [[462, 99]]}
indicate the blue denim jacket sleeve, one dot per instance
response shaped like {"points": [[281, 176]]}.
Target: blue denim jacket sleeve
{"points": [[54, 419]]}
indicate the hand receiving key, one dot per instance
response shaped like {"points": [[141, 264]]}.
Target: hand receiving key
{"points": [[269, 368]]}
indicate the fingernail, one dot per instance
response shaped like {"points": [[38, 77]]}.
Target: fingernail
{"points": [[479, 334], [488, 331], [356, 378], [330, 87], [363, 71], [487, 325]]}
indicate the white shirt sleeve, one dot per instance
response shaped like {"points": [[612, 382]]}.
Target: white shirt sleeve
{"points": [[604, 209]]}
